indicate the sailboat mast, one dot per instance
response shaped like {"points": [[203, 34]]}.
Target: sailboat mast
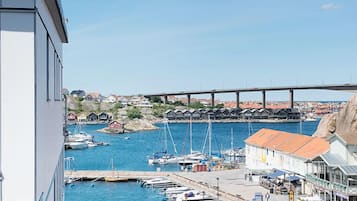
{"points": [[209, 137], [112, 167], [165, 135], [191, 135], [300, 122], [232, 139]]}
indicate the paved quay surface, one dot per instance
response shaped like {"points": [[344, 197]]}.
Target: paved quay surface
{"points": [[232, 183]]}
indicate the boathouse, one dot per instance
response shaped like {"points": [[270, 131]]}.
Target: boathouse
{"points": [[92, 117], [263, 113], [71, 116], [186, 114], [196, 115], [104, 117], [179, 115], [170, 115], [115, 125]]}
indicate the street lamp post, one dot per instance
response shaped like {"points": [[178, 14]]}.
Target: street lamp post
{"points": [[217, 188]]}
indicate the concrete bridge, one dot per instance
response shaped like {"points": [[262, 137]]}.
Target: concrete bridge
{"points": [[263, 90]]}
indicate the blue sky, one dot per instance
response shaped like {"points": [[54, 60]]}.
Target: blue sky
{"points": [[143, 46]]}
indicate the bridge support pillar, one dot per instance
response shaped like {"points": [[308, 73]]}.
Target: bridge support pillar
{"points": [[188, 99], [291, 98], [212, 99], [263, 99], [237, 99], [165, 100]]}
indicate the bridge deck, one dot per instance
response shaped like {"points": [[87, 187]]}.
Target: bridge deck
{"points": [[337, 87]]}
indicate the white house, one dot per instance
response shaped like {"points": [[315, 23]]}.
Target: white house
{"points": [[31, 158], [333, 175], [110, 99], [272, 149]]}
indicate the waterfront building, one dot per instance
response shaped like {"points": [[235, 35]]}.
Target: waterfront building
{"points": [[186, 114], [32, 33], [116, 126], [82, 117], [72, 117], [286, 152], [272, 149], [195, 114], [333, 175], [104, 117], [170, 114], [92, 117]]}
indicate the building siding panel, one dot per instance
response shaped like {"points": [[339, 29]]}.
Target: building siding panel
{"points": [[17, 100]]}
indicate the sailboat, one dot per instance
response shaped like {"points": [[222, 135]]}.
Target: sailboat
{"points": [[230, 152], [193, 157], [114, 177], [164, 157]]}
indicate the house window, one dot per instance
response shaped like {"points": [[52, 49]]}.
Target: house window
{"points": [[57, 78], [50, 70]]}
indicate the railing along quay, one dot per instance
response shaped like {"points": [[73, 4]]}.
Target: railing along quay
{"points": [[130, 175]]}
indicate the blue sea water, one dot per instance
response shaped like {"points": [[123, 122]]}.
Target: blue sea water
{"points": [[102, 191], [132, 154]]}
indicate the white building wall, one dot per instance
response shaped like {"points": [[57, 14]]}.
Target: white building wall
{"points": [[17, 105], [31, 110], [346, 152], [49, 112], [17, 3], [259, 158], [49, 24], [351, 157], [338, 148]]}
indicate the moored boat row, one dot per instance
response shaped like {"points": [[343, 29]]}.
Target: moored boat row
{"points": [[175, 192]]}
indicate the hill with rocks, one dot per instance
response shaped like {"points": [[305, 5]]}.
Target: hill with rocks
{"points": [[344, 123]]}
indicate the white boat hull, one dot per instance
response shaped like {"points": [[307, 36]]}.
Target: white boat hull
{"points": [[78, 145]]}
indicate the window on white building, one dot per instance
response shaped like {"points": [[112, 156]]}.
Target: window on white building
{"points": [[51, 62], [57, 78]]}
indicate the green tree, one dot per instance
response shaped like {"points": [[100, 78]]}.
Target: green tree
{"points": [[79, 105], [134, 113], [116, 107], [99, 106], [155, 99], [196, 105], [219, 106], [178, 103], [158, 110]]}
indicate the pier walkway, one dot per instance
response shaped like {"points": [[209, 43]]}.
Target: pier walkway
{"points": [[231, 184], [130, 175], [95, 175]]}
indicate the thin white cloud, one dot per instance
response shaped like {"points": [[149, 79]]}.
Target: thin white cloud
{"points": [[330, 6]]}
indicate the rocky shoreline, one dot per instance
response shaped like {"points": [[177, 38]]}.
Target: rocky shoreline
{"points": [[131, 126]]}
